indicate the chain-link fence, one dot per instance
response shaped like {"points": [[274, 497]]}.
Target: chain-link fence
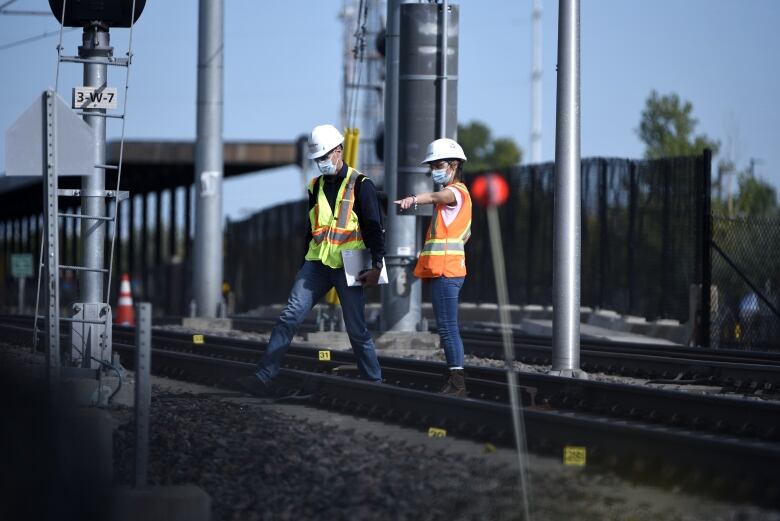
{"points": [[745, 294]]}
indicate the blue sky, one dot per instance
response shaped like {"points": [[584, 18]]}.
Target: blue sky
{"points": [[283, 66]]}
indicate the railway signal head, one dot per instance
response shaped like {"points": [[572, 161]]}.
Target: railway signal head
{"points": [[81, 13]]}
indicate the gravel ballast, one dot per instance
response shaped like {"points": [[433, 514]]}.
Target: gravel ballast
{"points": [[261, 460]]}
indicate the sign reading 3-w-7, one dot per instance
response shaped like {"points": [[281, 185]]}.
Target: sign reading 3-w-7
{"points": [[94, 98]]}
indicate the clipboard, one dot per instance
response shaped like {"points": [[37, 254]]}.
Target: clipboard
{"points": [[356, 262]]}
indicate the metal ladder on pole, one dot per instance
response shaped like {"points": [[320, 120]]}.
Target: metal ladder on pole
{"points": [[91, 334]]}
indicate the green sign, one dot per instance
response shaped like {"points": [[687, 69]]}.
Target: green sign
{"points": [[21, 265]]}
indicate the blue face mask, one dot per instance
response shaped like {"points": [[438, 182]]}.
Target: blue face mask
{"points": [[440, 176], [326, 167]]}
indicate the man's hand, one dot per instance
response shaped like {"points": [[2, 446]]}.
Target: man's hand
{"points": [[368, 278]]}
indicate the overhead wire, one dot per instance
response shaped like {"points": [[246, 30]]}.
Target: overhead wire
{"points": [[358, 56], [30, 39]]}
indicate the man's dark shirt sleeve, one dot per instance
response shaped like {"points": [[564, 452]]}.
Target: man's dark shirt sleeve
{"points": [[370, 219], [307, 224]]}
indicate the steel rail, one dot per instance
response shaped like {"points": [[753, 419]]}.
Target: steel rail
{"points": [[715, 464], [748, 418]]}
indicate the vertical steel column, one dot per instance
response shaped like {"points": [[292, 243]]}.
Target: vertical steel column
{"points": [[706, 252], [120, 249], [158, 230], [143, 390], [603, 235], [566, 250], [17, 230], [172, 200], [131, 262], [631, 239], [93, 231], [444, 31], [207, 281], [530, 245], [187, 220], [394, 307], [666, 247], [144, 244], [51, 255], [28, 234]]}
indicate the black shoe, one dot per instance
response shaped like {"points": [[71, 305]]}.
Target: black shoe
{"points": [[455, 384], [255, 386]]}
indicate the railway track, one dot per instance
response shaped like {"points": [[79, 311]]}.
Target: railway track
{"points": [[737, 371], [718, 444]]}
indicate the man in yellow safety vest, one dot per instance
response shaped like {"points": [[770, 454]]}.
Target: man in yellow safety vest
{"points": [[343, 215]]}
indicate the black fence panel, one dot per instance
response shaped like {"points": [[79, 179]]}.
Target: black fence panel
{"points": [[640, 238], [639, 231]]}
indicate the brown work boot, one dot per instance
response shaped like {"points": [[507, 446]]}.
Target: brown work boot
{"points": [[456, 383]]}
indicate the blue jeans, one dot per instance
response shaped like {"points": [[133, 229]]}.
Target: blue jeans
{"points": [[444, 297], [313, 280]]}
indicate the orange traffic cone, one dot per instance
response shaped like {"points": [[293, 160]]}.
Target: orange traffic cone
{"points": [[125, 313]]}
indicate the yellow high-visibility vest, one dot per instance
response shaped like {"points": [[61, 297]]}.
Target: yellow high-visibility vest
{"points": [[333, 232]]}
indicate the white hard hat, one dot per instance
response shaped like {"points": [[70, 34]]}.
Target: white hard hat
{"points": [[444, 148], [323, 139]]}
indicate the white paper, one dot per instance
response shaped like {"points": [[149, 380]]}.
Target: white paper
{"points": [[357, 261]]}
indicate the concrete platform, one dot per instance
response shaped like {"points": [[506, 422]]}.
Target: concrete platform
{"points": [[387, 341], [207, 324], [607, 323], [591, 332]]}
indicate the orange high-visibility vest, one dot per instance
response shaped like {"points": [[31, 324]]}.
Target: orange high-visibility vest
{"points": [[443, 254], [334, 231]]}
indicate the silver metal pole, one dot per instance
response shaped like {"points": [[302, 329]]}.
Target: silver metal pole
{"points": [[93, 231], [536, 85], [400, 308], [442, 131], [143, 390], [566, 250], [207, 281]]}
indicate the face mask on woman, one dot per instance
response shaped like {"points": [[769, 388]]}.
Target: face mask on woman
{"points": [[440, 176]]}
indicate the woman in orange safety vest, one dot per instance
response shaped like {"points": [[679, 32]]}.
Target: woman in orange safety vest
{"points": [[442, 260]]}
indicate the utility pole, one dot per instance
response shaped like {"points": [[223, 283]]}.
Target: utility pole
{"points": [[566, 250], [536, 84], [207, 271]]}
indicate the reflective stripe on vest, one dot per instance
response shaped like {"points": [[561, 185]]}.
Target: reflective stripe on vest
{"points": [[331, 233], [443, 253]]}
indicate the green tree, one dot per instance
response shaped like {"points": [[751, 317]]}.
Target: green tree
{"points": [[756, 197], [667, 128], [484, 152]]}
